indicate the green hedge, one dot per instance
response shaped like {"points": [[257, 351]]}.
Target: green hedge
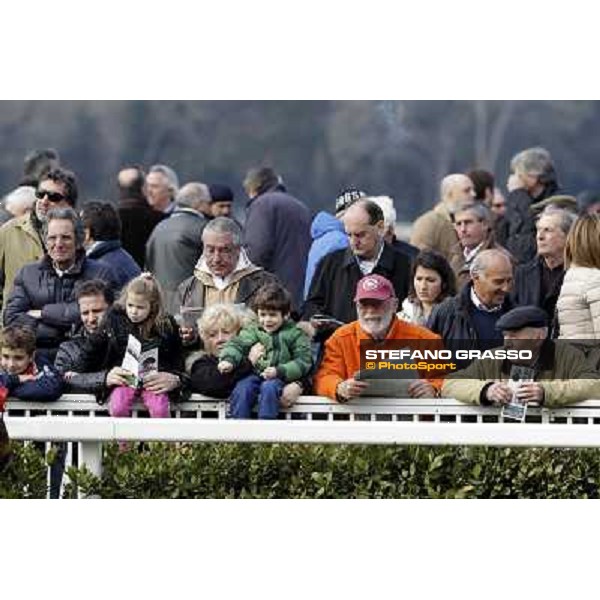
{"points": [[25, 475], [221, 470]]}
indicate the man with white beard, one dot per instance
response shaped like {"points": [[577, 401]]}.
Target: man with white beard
{"points": [[376, 306]]}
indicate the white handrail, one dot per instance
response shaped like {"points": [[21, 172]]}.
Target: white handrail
{"points": [[100, 429]]}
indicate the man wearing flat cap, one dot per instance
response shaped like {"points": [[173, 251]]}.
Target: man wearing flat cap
{"points": [[376, 306], [557, 373]]}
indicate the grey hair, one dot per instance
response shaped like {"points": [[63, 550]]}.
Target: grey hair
{"points": [[566, 217], [480, 210], [169, 174], [534, 161], [482, 260], [22, 197], [66, 214], [387, 207], [224, 225], [192, 195]]}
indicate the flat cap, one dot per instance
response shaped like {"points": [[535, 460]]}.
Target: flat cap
{"points": [[522, 316]]}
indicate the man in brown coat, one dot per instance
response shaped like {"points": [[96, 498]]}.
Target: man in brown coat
{"points": [[434, 229], [473, 226]]}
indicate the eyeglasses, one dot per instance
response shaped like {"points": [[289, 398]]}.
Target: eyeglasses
{"points": [[52, 196]]}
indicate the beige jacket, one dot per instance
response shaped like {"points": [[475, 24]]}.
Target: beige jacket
{"points": [[578, 305], [434, 231], [566, 376], [19, 244]]}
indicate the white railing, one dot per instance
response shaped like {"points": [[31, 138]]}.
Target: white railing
{"points": [[318, 407], [79, 420]]}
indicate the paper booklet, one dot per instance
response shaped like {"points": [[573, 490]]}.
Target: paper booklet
{"points": [[139, 363]]}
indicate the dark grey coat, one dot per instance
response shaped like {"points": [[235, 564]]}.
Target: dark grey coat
{"points": [[277, 238], [173, 250]]}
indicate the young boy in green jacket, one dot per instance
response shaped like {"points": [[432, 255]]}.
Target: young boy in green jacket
{"points": [[284, 355]]}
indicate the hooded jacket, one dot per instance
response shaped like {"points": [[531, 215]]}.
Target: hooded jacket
{"points": [[288, 349], [200, 290], [328, 235]]}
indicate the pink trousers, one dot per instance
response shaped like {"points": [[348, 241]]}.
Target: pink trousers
{"points": [[122, 398]]}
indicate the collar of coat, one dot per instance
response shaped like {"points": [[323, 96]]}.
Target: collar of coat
{"points": [[265, 189], [27, 224], [99, 249], [463, 300], [385, 262], [76, 269], [243, 268]]}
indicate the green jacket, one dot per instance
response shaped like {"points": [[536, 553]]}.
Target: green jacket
{"points": [[288, 349], [565, 374]]}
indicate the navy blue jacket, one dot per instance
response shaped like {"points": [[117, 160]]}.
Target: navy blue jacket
{"points": [[277, 238], [37, 286], [46, 387], [121, 264]]}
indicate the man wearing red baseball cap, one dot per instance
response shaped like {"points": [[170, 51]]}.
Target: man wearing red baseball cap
{"points": [[376, 306]]}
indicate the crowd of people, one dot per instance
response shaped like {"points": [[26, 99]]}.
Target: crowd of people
{"points": [[263, 312]]}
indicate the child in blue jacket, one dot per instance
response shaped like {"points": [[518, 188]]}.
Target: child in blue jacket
{"points": [[23, 374]]}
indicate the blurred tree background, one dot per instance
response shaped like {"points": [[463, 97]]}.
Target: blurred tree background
{"points": [[397, 148]]}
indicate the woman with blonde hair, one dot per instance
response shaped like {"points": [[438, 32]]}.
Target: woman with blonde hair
{"points": [[578, 305], [218, 324]]}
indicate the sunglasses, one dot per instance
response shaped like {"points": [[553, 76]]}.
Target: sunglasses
{"points": [[52, 196]]}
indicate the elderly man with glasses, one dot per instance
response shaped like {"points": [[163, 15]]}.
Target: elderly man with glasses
{"points": [[21, 240], [223, 274]]}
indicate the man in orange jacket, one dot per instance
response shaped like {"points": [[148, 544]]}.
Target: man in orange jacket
{"points": [[376, 305]]}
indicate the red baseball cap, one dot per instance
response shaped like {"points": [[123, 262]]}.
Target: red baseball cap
{"points": [[374, 287]]}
